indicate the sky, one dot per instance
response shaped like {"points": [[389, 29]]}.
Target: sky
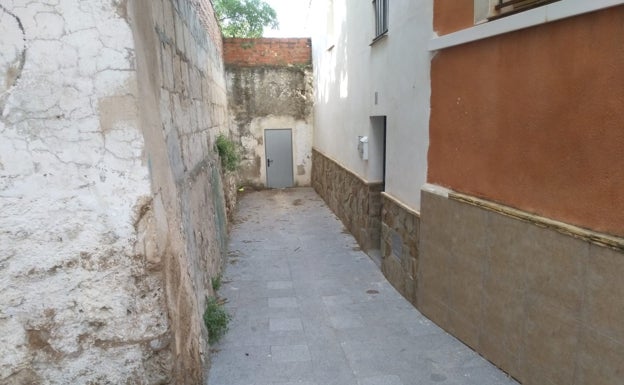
{"points": [[292, 16]]}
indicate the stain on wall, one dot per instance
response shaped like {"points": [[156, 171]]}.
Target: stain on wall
{"points": [[182, 87], [112, 208], [82, 290], [12, 51], [269, 83]]}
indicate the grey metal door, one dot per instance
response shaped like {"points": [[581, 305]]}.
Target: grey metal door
{"points": [[279, 161]]}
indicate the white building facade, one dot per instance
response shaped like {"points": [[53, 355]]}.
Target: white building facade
{"points": [[371, 121]]}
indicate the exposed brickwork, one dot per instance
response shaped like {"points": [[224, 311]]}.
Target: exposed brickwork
{"points": [[267, 52], [400, 230], [355, 202]]}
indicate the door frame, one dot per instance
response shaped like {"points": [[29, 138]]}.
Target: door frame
{"points": [[291, 156]]}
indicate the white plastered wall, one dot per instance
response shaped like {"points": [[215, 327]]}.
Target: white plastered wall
{"points": [[349, 71]]}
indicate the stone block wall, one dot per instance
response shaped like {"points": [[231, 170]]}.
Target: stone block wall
{"points": [[267, 91], [356, 202], [184, 106], [111, 205], [540, 299], [400, 234]]}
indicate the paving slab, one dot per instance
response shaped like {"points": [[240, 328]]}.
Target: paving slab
{"points": [[309, 308]]}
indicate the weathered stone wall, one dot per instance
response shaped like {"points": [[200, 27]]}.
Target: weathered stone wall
{"points": [[540, 299], [400, 232], [356, 202], [111, 211], [182, 88], [269, 92]]}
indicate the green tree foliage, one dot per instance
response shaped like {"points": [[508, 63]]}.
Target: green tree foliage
{"points": [[244, 18]]}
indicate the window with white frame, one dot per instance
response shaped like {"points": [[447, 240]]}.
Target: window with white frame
{"points": [[485, 10], [381, 17]]}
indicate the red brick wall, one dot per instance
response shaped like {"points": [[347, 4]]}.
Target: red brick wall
{"points": [[267, 51]]}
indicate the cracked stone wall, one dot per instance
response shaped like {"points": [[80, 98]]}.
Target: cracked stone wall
{"points": [[112, 218]]}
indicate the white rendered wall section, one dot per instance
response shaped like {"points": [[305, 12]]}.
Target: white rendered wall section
{"points": [[356, 80]]}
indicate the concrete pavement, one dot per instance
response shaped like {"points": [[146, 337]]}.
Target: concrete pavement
{"points": [[310, 308]]}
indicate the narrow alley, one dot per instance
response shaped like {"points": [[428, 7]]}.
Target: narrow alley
{"points": [[309, 308]]}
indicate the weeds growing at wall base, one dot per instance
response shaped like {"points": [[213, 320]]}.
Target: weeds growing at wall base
{"points": [[228, 153], [216, 320]]}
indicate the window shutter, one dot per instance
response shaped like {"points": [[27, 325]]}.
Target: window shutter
{"points": [[381, 17], [508, 7]]}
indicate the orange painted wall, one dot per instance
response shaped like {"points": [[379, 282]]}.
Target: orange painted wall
{"points": [[452, 15], [535, 119]]}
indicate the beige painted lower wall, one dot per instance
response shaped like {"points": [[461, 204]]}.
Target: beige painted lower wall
{"points": [[543, 305]]}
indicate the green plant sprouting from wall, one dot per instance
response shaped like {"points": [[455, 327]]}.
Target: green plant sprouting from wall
{"points": [[216, 320], [228, 152], [216, 282]]}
